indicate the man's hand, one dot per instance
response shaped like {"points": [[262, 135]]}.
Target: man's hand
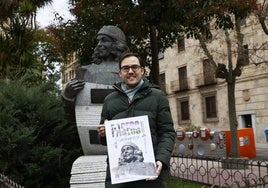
{"points": [[101, 130], [159, 167], [73, 87]]}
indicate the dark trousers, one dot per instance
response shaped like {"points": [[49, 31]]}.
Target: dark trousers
{"points": [[158, 183]]}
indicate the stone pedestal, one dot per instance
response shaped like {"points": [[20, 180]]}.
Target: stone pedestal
{"points": [[88, 113], [89, 172]]}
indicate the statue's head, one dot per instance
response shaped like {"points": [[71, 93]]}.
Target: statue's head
{"points": [[111, 43], [114, 32], [130, 152]]}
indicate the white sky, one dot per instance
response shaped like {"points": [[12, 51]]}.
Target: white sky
{"points": [[45, 16]]}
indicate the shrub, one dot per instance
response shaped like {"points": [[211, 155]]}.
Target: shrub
{"points": [[38, 145]]}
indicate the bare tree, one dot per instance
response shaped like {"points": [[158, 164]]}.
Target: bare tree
{"points": [[262, 14]]}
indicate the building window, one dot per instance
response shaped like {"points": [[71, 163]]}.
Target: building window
{"points": [[70, 75], [181, 44], [73, 74], [66, 77], [183, 110], [243, 21], [162, 82], [210, 107], [183, 78], [245, 55], [208, 72]]}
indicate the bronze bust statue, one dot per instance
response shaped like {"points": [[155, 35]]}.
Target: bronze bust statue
{"points": [[110, 45]]}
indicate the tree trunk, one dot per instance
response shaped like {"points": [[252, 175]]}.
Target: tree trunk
{"points": [[233, 121], [155, 62]]}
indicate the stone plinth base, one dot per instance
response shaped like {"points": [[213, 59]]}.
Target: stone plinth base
{"points": [[89, 171]]}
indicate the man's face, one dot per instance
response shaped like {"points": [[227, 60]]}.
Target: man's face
{"points": [[131, 72], [127, 153], [104, 46]]}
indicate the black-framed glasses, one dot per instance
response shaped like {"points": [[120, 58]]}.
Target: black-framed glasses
{"points": [[132, 67]]}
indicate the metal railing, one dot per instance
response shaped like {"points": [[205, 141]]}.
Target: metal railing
{"points": [[5, 182], [221, 172], [212, 172]]}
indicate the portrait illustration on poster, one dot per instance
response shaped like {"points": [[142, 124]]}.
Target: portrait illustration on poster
{"points": [[130, 149]]}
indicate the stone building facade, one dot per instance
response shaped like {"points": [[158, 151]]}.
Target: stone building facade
{"points": [[198, 98], [68, 71]]}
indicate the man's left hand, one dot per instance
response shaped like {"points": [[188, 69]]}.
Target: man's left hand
{"points": [[159, 167]]}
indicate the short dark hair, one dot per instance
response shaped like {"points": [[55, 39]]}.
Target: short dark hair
{"points": [[130, 54]]}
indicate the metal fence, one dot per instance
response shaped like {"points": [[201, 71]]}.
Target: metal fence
{"points": [[221, 172], [212, 172], [5, 182]]}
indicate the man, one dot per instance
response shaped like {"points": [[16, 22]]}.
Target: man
{"points": [[134, 96], [111, 43]]}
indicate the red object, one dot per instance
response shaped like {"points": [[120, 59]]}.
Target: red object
{"points": [[180, 134], [246, 142]]}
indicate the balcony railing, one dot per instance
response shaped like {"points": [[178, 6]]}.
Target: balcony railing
{"points": [[209, 80], [179, 85]]}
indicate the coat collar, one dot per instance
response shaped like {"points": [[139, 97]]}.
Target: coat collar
{"points": [[145, 86]]}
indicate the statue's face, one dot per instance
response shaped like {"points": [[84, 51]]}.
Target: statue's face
{"points": [[104, 46], [128, 153]]}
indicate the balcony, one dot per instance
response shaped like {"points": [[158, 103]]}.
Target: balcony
{"points": [[163, 87], [179, 85], [208, 80]]}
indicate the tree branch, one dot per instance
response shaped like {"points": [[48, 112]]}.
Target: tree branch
{"points": [[206, 51], [262, 14]]}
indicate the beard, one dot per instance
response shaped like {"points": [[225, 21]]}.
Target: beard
{"points": [[97, 58], [107, 53]]}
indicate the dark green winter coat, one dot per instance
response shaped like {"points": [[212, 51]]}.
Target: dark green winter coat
{"points": [[147, 101]]}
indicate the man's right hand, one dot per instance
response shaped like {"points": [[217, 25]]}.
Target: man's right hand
{"points": [[73, 87], [101, 130]]}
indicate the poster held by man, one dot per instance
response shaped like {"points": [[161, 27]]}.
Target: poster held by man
{"points": [[130, 150]]}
